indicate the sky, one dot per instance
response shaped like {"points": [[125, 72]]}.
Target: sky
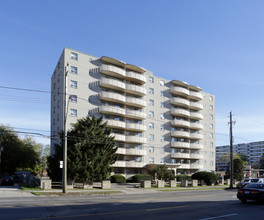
{"points": [[216, 45]]}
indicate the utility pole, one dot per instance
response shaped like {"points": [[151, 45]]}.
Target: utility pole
{"points": [[231, 151], [64, 171]]}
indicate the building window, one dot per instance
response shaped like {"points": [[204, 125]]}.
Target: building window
{"points": [[151, 114], [151, 125], [74, 56], [74, 69], [211, 98], [151, 137], [73, 112], [211, 116], [162, 127], [162, 150], [211, 126], [162, 115], [73, 84], [211, 144], [73, 98], [162, 160], [151, 79], [211, 154], [211, 107], [162, 138], [162, 83], [151, 102], [138, 159], [151, 91], [162, 93], [151, 159], [151, 149], [211, 135], [173, 161], [162, 105], [211, 163]]}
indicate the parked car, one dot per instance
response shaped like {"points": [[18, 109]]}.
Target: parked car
{"points": [[7, 181], [247, 181], [252, 191]]}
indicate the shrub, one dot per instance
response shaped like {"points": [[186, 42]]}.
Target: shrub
{"points": [[161, 172], [141, 177], [181, 177], [118, 179], [209, 178]]}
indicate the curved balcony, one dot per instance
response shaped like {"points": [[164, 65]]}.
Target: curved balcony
{"points": [[196, 156], [180, 112], [196, 136], [179, 144], [197, 126], [196, 106], [119, 164], [180, 155], [136, 114], [111, 70], [112, 96], [195, 95], [196, 146], [182, 134], [135, 139], [180, 123], [184, 166], [135, 102], [134, 89], [136, 152], [112, 110], [180, 102], [196, 166], [115, 124], [177, 90], [135, 164], [135, 127], [121, 150], [136, 77], [119, 137], [196, 116], [112, 84]]}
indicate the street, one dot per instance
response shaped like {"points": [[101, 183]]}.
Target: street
{"points": [[198, 205]]}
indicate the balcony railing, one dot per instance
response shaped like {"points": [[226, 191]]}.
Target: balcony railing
{"points": [[180, 112], [179, 144], [136, 114], [180, 102], [183, 134], [112, 96], [115, 124], [134, 89], [135, 102], [135, 127], [195, 95], [196, 125], [112, 70], [196, 146], [136, 77], [112, 83], [112, 110], [135, 139], [196, 136], [180, 123], [196, 116]]}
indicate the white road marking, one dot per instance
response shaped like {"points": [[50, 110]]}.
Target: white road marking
{"points": [[221, 216]]}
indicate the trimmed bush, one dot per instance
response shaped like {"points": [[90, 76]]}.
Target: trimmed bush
{"points": [[209, 178], [181, 177], [118, 179], [141, 177]]}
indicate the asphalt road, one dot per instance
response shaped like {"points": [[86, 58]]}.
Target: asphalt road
{"points": [[191, 205]]}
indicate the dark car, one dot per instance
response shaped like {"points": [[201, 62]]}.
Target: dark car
{"points": [[252, 191], [7, 181]]}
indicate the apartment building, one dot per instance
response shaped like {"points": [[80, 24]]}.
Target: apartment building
{"points": [[154, 120], [253, 150]]}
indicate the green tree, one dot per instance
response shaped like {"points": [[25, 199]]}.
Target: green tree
{"points": [[91, 151], [161, 172], [208, 177], [238, 170], [261, 162], [53, 162]]}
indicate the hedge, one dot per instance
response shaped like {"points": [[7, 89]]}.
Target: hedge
{"points": [[209, 178], [141, 177], [117, 178], [181, 177]]}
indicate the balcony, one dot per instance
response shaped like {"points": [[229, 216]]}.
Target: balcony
{"points": [[135, 114], [180, 102], [112, 110], [112, 71], [136, 152], [195, 95], [135, 139], [135, 102], [177, 90], [112, 96], [135, 127], [134, 89], [112, 84], [180, 112], [196, 156], [183, 166], [196, 166], [196, 106], [119, 137], [179, 144], [136, 77], [135, 164], [197, 126], [196, 146], [119, 164], [180, 155], [180, 123], [182, 134], [196, 116], [196, 136], [115, 124]]}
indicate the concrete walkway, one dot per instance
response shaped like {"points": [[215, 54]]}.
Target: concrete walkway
{"points": [[13, 191]]}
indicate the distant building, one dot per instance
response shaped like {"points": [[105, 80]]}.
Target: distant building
{"points": [[154, 120], [254, 151]]}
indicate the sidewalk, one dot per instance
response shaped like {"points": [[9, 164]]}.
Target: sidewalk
{"points": [[13, 191]]}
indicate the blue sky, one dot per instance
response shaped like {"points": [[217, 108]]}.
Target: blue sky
{"points": [[217, 45]]}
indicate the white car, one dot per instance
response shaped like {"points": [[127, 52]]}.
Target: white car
{"points": [[247, 181]]}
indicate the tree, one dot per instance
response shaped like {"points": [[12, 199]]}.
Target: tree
{"points": [[209, 178], [238, 170], [91, 150], [261, 162], [161, 172]]}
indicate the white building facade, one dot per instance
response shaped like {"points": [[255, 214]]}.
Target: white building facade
{"points": [[154, 120]]}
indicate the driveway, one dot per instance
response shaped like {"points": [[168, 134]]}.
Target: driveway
{"points": [[13, 191]]}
